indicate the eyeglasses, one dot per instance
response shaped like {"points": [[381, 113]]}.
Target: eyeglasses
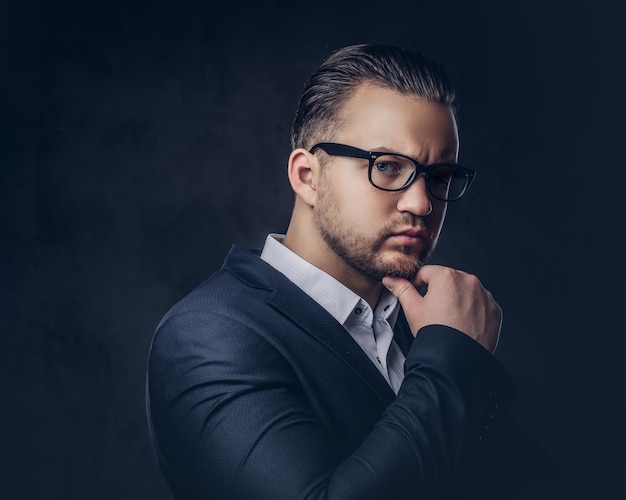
{"points": [[395, 172]]}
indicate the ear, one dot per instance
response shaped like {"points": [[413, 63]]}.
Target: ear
{"points": [[304, 175]]}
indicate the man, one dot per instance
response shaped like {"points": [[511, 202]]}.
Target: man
{"points": [[334, 363]]}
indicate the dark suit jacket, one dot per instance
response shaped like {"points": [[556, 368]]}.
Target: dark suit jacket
{"points": [[255, 391]]}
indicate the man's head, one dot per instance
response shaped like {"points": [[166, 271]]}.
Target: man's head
{"points": [[377, 99], [408, 72]]}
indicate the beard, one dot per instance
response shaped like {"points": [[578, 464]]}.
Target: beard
{"points": [[364, 252]]}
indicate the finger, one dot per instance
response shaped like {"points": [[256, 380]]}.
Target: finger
{"points": [[424, 276], [404, 290]]}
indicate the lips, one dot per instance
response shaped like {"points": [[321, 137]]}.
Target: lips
{"points": [[410, 237], [413, 233]]}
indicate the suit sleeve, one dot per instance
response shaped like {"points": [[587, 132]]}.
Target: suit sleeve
{"points": [[229, 419]]}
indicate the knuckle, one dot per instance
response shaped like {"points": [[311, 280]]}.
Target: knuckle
{"points": [[449, 273], [475, 282]]}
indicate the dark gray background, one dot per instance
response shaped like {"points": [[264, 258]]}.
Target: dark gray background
{"points": [[138, 140]]}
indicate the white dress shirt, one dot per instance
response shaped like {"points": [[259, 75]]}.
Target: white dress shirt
{"points": [[372, 330]]}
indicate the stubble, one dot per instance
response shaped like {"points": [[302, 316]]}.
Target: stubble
{"points": [[364, 252]]}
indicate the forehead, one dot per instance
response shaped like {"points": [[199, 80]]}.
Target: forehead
{"points": [[375, 117]]}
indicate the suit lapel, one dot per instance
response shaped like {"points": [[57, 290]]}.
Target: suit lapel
{"points": [[308, 315], [292, 302], [402, 334]]}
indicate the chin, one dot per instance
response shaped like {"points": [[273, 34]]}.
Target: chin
{"points": [[404, 266], [408, 273]]}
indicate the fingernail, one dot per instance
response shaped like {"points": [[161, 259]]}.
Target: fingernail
{"points": [[389, 282]]}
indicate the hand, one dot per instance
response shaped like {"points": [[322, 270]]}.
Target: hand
{"points": [[454, 299]]}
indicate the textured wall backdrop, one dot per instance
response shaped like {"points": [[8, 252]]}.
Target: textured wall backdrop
{"points": [[138, 140]]}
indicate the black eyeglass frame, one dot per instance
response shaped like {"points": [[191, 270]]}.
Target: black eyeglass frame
{"points": [[336, 149]]}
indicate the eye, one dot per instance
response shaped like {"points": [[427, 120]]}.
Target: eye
{"points": [[441, 175], [387, 167], [391, 171]]}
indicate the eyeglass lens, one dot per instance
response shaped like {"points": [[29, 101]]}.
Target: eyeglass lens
{"points": [[393, 172]]}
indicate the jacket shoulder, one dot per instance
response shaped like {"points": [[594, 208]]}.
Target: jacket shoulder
{"points": [[243, 277]]}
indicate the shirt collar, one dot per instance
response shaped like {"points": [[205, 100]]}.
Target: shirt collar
{"points": [[332, 295]]}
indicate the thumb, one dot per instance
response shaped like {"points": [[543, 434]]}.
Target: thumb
{"points": [[404, 290]]}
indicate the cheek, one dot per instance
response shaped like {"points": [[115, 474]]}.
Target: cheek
{"points": [[368, 211], [355, 202]]}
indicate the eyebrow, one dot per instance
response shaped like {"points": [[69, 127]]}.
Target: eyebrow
{"points": [[449, 157], [383, 149]]}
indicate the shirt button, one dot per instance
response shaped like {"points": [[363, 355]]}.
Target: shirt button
{"points": [[358, 310]]}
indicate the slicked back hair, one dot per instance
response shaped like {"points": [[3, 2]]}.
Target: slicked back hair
{"points": [[405, 71]]}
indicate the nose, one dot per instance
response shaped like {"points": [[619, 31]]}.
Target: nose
{"points": [[415, 199]]}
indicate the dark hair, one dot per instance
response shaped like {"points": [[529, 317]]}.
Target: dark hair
{"points": [[405, 71]]}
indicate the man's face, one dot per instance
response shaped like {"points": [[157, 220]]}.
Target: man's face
{"points": [[376, 232]]}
